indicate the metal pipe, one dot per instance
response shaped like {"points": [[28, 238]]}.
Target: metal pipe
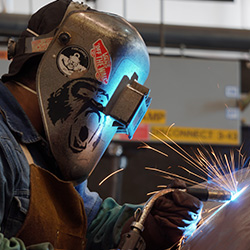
{"points": [[12, 24], [195, 37], [174, 35]]}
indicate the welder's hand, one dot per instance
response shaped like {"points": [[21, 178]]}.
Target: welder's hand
{"points": [[173, 215]]}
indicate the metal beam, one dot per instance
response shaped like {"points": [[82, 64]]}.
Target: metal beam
{"points": [[174, 36]]}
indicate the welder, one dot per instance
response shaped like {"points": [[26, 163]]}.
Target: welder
{"points": [[76, 78]]}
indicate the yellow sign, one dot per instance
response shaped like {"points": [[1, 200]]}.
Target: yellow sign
{"points": [[155, 116], [196, 135]]}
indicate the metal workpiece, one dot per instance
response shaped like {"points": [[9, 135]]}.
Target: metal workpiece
{"points": [[226, 227]]}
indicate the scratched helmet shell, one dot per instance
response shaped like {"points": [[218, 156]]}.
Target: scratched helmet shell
{"points": [[89, 85]]}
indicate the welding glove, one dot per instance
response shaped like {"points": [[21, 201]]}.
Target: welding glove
{"points": [[173, 216]]}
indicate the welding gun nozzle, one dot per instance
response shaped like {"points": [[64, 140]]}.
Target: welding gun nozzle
{"points": [[205, 194]]}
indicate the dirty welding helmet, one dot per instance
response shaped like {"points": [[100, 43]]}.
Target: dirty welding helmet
{"points": [[89, 86]]}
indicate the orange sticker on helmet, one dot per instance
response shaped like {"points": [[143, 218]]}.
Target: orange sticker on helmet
{"points": [[102, 61], [41, 44]]}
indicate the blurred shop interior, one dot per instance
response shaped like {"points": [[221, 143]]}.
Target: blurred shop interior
{"points": [[200, 88]]}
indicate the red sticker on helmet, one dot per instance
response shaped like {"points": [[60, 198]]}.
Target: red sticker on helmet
{"points": [[102, 61], [41, 44]]}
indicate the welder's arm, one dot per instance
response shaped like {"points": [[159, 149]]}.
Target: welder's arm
{"points": [[17, 244]]}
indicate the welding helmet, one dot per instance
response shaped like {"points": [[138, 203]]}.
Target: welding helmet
{"points": [[89, 85]]}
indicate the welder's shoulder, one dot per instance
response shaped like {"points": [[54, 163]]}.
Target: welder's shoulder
{"points": [[14, 182], [11, 154]]}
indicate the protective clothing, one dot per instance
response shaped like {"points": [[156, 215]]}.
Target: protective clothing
{"points": [[173, 216], [88, 89], [88, 83], [15, 128], [63, 228]]}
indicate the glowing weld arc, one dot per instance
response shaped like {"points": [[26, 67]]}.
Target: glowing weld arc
{"points": [[236, 195]]}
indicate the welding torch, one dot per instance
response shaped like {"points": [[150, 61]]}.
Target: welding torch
{"points": [[205, 194], [133, 239]]}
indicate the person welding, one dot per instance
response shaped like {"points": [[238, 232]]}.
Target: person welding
{"points": [[76, 78]]}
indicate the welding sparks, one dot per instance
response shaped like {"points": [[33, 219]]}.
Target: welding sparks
{"points": [[220, 169], [113, 173], [154, 149], [217, 171]]}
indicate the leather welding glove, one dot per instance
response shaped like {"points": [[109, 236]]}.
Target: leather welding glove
{"points": [[173, 216]]}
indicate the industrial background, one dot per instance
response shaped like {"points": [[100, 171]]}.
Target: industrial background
{"points": [[199, 81]]}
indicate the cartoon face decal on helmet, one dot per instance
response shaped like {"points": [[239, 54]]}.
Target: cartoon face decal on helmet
{"points": [[73, 61], [80, 101]]}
